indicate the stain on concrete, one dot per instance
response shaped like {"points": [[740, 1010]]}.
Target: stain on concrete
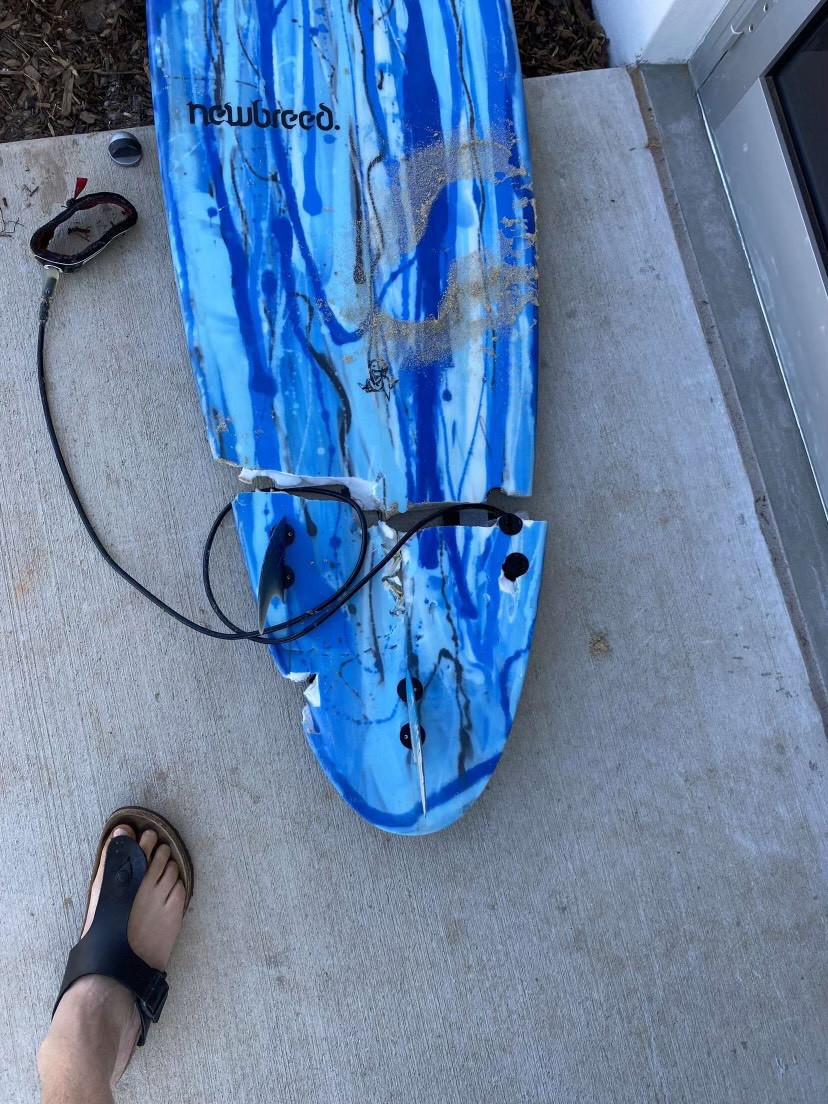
{"points": [[599, 644]]}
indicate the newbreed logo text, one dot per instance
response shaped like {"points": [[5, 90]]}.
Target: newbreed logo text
{"points": [[256, 114]]}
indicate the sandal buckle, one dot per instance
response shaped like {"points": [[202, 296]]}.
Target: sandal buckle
{"points": [[155, 996]]}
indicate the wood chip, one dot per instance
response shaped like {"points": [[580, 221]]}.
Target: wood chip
{"points": [[68, 85]]}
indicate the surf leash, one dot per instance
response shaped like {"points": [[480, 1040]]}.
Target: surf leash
{"points": [[59, 257]]}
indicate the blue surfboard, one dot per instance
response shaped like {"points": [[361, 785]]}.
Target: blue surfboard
{"points": [[348, 192]]}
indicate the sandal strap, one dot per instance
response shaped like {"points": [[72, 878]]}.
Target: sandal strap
{"points": [[105, 948]]}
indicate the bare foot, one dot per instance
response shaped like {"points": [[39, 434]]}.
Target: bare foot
{"points": [[98, 1006]]}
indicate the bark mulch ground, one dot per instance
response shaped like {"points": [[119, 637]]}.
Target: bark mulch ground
{"points": [[69, 67], [558, 36]]}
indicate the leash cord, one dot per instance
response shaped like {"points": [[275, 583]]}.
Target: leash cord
{"points": [[310, 619]]}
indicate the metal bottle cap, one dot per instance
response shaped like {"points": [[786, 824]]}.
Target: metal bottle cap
{"points": [[125, 149]]}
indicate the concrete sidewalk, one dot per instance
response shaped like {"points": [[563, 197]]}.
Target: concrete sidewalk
{"points": [[635, 909]]}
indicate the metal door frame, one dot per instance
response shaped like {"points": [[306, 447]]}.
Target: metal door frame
{"points": [[730, 69]]}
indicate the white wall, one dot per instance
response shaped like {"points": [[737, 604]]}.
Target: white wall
{"points": [[658, 31]]}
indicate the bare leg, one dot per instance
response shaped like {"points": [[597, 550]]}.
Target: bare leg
{"points": [[96, 1025], [91, 1036]]}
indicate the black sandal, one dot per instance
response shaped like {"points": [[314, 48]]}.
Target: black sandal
{"points": [[105, 948]]}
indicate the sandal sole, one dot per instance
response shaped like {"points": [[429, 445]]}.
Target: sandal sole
{"points": [[139, 820]]}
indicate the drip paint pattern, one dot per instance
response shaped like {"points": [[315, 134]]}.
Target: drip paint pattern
{"points": [[350, 210], [443, 614], [349, 200]]}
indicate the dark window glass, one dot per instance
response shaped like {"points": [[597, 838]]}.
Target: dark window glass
{"points": [[800, 81]]}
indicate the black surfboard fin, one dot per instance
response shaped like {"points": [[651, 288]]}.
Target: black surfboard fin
{"points": [[276, 576]]}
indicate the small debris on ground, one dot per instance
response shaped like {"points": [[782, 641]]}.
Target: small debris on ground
{"points": [[599, 644], [71, 68], [8, 225]]}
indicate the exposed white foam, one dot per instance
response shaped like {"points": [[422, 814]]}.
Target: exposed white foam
{"points": [[362, 491], [312, 694]]}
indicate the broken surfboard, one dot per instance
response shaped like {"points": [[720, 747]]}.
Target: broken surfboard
{"points": [[350, 210]]}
